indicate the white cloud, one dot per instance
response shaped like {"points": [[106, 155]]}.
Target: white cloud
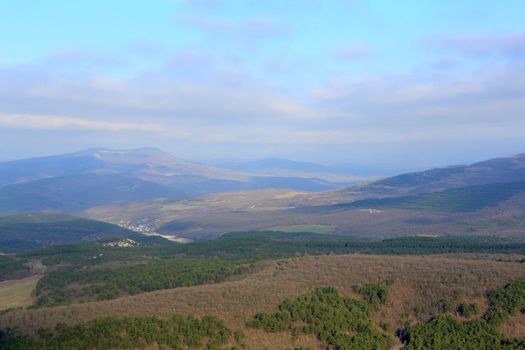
{"points": [[29, 121]]}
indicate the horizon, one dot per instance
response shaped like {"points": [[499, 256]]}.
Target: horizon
{"points": [[401, 86], [388, 171]]}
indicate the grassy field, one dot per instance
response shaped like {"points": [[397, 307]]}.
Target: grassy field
{"points": [[303, 228], [17, 293], [420, 283], [288, 195]]}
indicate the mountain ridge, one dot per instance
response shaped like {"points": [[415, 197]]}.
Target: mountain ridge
{"points": [[98, 176]]}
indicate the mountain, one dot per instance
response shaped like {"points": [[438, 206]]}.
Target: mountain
{"points": [[143, 162], [31, 230], [508, 169], [461, 199], [94, 177], [77, 192], [276, 165]]}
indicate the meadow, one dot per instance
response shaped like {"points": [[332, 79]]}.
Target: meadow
{"points": [[17, 293]]}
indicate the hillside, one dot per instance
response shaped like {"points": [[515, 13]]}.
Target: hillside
{"points": [[31, 230], [101, 176], [420, 287], [285, 167], [461, 199], [509, 169], [144, 161]]}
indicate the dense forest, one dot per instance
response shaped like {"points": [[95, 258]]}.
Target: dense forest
{"points": [[444, 332], [178, 332], [337, 321], [81, 257], [85, 284], [263, 245]]}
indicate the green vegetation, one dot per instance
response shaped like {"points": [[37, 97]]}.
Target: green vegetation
{"points": [[465, 199], [444, 332], [341, 323], [27, 231], [468, 310], [374, 294], [263, 245], [95, 271], [177, 332], [84, 284], [12, 267], [505, 301]]}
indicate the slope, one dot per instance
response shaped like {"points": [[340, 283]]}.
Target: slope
{"points": [[30, 230]]}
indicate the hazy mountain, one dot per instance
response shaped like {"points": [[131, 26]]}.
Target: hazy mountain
{"points": [[94, 177], [77, 192], [280, 164], [509, 169], [144, 162]]}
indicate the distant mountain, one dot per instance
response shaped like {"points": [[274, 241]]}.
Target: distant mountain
{"points": [[462, 199], [32, 230], [143, 162], [77, 181], [279, 164], [77, 192], [499, 170]]}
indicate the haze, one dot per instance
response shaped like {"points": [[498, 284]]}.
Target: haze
{"points": [[406, 84]]}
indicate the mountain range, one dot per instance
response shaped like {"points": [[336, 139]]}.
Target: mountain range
{"points": [[197, 201], [497, 170], [100, 176]]}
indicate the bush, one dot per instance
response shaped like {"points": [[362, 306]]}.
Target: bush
{"points": [[468, 310]]}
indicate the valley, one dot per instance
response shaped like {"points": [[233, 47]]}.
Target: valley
{"points": [[262, 175], [430, 247]]}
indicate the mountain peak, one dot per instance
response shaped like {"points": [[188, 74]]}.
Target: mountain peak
{"points": [[145, 151]]}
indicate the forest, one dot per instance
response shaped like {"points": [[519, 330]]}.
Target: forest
{"points": [[337, 321], [85, 284], [177, 332], [445, 332]]}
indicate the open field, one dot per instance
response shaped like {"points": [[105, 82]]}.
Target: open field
{"points": [[17, 293], [420, 282], [210, 216]]}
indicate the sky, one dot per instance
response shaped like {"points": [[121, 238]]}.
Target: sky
{"points": [[407, 84]]}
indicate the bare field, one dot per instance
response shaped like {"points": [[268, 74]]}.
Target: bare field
{"points": [[210, 216], [420, 282], [17, 293]]}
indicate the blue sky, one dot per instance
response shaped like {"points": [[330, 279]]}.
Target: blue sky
{"points": [[375, 82]]}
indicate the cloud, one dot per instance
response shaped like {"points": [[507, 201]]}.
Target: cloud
{"points": [[354, 51], [248, 31], [207, 4], [480, 106], [510, 45], [28, 121], [146, 48], [204, 99]]}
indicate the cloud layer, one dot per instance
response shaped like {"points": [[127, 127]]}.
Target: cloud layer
{"points": [[266, 83]]}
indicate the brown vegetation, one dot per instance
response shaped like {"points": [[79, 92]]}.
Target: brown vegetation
{"points": [[419, 285]]}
